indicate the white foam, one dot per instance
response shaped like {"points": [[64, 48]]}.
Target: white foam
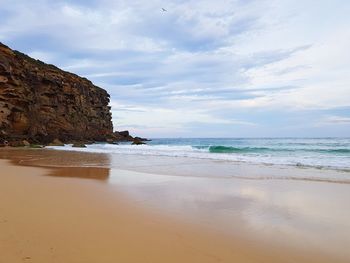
{"points": [[188, 151]]}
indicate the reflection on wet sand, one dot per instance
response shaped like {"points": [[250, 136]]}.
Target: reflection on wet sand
{"points": [[51, 158], [304, 216], [81, 172], [68, 164]]}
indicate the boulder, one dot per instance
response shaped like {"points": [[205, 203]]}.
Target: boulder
{"points": [[142, 139], [79, 145], [26, 143], [137, 142], [3, 142], [124, 133], [123, 136], [56, 142], [16, 143], [112, 141]]}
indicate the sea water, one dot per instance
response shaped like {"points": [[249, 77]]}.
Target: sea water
{"points": [[321, 153]]}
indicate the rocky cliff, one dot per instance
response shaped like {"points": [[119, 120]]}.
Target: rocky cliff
{"points": [[39, 102]]}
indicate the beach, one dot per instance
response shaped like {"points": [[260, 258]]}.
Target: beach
{"points": [[174, 131], [78, 207]]}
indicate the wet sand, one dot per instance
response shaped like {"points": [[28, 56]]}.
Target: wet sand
{"points": [[126, 216]]}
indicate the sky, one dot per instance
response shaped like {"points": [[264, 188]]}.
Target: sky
{"points": [[202, 68]]}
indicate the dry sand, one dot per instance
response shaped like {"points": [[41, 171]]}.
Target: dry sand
{"points": [[64, 219]]}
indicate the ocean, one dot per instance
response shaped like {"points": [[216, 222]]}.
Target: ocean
{"points": [[321, 153]]}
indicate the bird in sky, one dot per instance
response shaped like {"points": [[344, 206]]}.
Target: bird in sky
{"points": [[164, 10]]}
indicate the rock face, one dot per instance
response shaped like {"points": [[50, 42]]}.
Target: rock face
{"points": [[124, 136], [40, 103]]}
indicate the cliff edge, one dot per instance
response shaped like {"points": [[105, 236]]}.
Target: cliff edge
{"points": [[40, 102]]}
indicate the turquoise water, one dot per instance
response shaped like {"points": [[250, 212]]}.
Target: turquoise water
{"points": [[319, 152], [331, 153]]}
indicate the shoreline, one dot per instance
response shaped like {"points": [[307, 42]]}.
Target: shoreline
{"points": [[330, 154], [179, 166], [124, 196]]}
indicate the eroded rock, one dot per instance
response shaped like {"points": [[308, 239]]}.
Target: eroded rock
{"points": [[42, 103], [56, 142], [137, 142]]}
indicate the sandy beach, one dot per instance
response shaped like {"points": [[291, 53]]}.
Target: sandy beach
{"points": [[132, 216], [174, 131]]}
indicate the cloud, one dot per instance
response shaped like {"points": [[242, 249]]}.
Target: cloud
{"points": [[203, 65], [334, 120]]}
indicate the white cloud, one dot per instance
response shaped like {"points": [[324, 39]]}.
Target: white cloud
{"points": [[175, 119], [199, 58], [333, 120]]}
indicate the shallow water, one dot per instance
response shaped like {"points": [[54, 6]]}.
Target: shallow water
{"points": [[321, 153]]}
